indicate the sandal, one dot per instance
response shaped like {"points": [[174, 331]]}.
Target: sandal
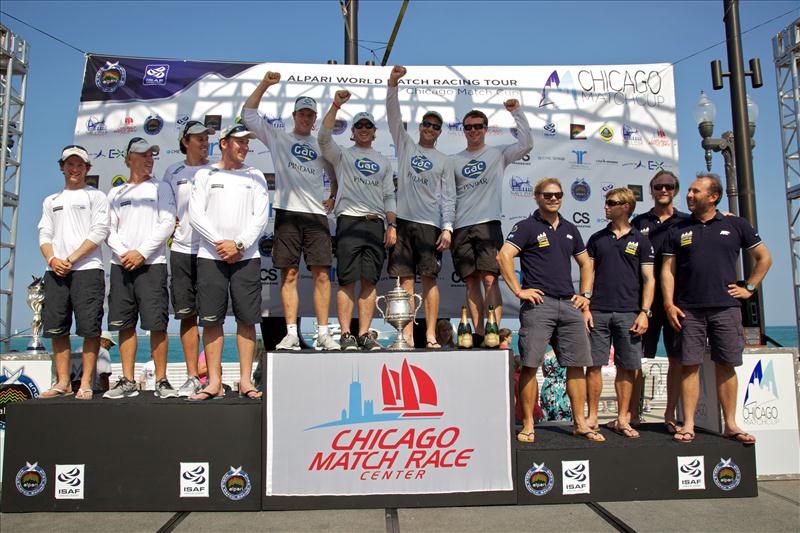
{"points": [[527, 438], [741, 436], [54, 392], [203, 395], [84, 394], [685, 436], [252, 394], [593, 436], [627, 432], [433, 345]]}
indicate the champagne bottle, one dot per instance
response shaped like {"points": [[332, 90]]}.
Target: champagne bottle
{"points": [[492, 337], [464, 331]]}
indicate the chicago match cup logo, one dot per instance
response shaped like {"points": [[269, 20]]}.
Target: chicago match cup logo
{"points": [[761, 398]]}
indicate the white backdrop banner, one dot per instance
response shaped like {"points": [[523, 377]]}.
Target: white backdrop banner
{"points": [[388, 423], [595, 127]]}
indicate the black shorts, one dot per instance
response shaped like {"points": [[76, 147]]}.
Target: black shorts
{"points": [[717, 328], [143, 293], [655, 325], [242, 280], [475, 248], [81, 292], [415, 250], [359, 249], [301, 231], [183, 284]]}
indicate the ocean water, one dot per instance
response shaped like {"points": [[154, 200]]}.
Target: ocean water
{"points": [[784, 335]]}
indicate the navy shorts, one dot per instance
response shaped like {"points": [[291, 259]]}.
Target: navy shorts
{"points": [[718, 328], [655, 325]]}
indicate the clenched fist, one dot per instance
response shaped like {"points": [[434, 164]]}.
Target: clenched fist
{"points": [[341, 97], [397, 72], [271, 78], [511, 104]]}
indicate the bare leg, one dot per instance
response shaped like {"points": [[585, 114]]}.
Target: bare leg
{"points": [[727, 387], [246, 343], [407, 283], [213, 341], [674, 387], [528, 393], [345, 302], [366, 306], [158, 350], [190, 341], [61, 352], [491, 288], [430, 299], [690, 394], [289, 294], [636, 395], [594, 387], [91, 345], [623, 384], [576, 390], [127, 351], [475, 301], [322, 293]]}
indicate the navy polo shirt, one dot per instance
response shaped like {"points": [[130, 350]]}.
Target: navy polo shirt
{"points": [[544, 254], [617, 269], [705, 255]]}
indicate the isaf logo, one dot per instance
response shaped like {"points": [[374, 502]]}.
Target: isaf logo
{"points": [[194, 480], [303, 152], [155, 74], [367, 167], [691, 473], [69, 482], [420, 163], [575, 477], [474, 169]]}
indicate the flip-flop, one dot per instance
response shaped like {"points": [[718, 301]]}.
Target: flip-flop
{"points": [[636, 423], [739, 435], [587, 435], [248, 394], [628, 433], [207, 396], [671, 427], [84, 394], [58, 393], [433, 345], [527, 438], [683, 434]]}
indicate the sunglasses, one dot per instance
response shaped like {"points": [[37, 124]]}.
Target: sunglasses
{"points": [[615, 203], [363, 125], [470, 127], [662, 186], [189, 125], [426, 124], [551, 195]]}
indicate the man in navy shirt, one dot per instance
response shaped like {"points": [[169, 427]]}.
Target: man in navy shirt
{"points": [[655, 224], [620, 306], [702, 298], [550, 310]]}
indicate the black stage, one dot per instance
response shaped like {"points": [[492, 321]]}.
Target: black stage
{"points": [[131, 452]]}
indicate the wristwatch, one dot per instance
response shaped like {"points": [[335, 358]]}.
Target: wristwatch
{"points": [[587, 295], [750, 287], [391, 225], [239, 245], [647, 312]]}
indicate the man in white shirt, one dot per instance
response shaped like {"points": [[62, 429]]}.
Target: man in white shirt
{"points": [[426, 196], [142, 219], [74, 222], [478, 236], [302, 201], [185, 243], [229, 209], [365, 199]]}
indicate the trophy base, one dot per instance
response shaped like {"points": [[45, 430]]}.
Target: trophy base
{"points": [[36, 348], [400, 344]]}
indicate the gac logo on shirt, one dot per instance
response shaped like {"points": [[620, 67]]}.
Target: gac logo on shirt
{"points": [[420, 163], [303, 152], [631, 247], [542, 238], [473, 169], [686, 238], [367, 166]]}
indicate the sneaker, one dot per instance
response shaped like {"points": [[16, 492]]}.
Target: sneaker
{"points": [[124, 388], [325, 342], [368, 344], [348, 342], [289, 342], [192, 385], [164, 389]]}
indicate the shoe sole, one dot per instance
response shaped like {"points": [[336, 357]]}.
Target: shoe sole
{"points": [[168, 395], [125, 395], [292, 349], [350, 349]]}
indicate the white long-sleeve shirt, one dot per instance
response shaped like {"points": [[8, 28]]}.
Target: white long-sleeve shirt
{"points": [[364, 177], [142, 219], [71, 217], [229, 205], [302, 176], [426, 188], [479, 176], [179, 177]]}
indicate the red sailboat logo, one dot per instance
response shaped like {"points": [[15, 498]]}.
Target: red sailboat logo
{"points": [[406, 390]]}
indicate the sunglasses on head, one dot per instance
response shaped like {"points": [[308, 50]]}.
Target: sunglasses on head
{"points": [[662, 186], [469, 127], [426, 124], [363, 125], [615, 203], [189, 125], [551, 195]]}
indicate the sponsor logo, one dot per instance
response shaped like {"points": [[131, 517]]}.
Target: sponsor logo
{"points": [[182, 120], [542, 240], [30, 479], [420, 163], [606, 133], [194, 480], [235, 484], [155, 74], [153, 125], [212, 121], [265, 245], [474, 169], [118, 180], [631, 135], [110, 77], [580, 158], [635, 164], [552, 80], [339, 127], [539, 480], [581, 219], [580, 190], [367, 167], [14, 387], [69, 482], [632, 247], [638, 192], [761, 397], [549, 158], [550, 129], [96, 126], [524, 161], [606, 186], [607, 162], [659, 139], [691, 473], [520, 187], [126, 126], [686, 238], [577, 131], [575, 477], [726, 475], [303, 152], [621, 87]]}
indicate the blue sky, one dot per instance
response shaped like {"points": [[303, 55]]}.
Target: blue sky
{"points": [[433, 33]]}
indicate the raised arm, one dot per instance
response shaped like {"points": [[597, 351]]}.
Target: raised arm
{"points": [[330, 150], [263, 130], [393, 116], [524, 143]]}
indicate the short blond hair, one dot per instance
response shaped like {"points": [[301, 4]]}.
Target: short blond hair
{"points": [[624, 194], [544, 182]]}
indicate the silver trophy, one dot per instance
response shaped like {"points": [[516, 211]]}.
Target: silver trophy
{"points": [[35, 302], [398, 313]]}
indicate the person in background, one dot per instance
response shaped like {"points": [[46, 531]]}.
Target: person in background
{"points": [[102, 369], [505, 338], [444, 334], [147, 377]]}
